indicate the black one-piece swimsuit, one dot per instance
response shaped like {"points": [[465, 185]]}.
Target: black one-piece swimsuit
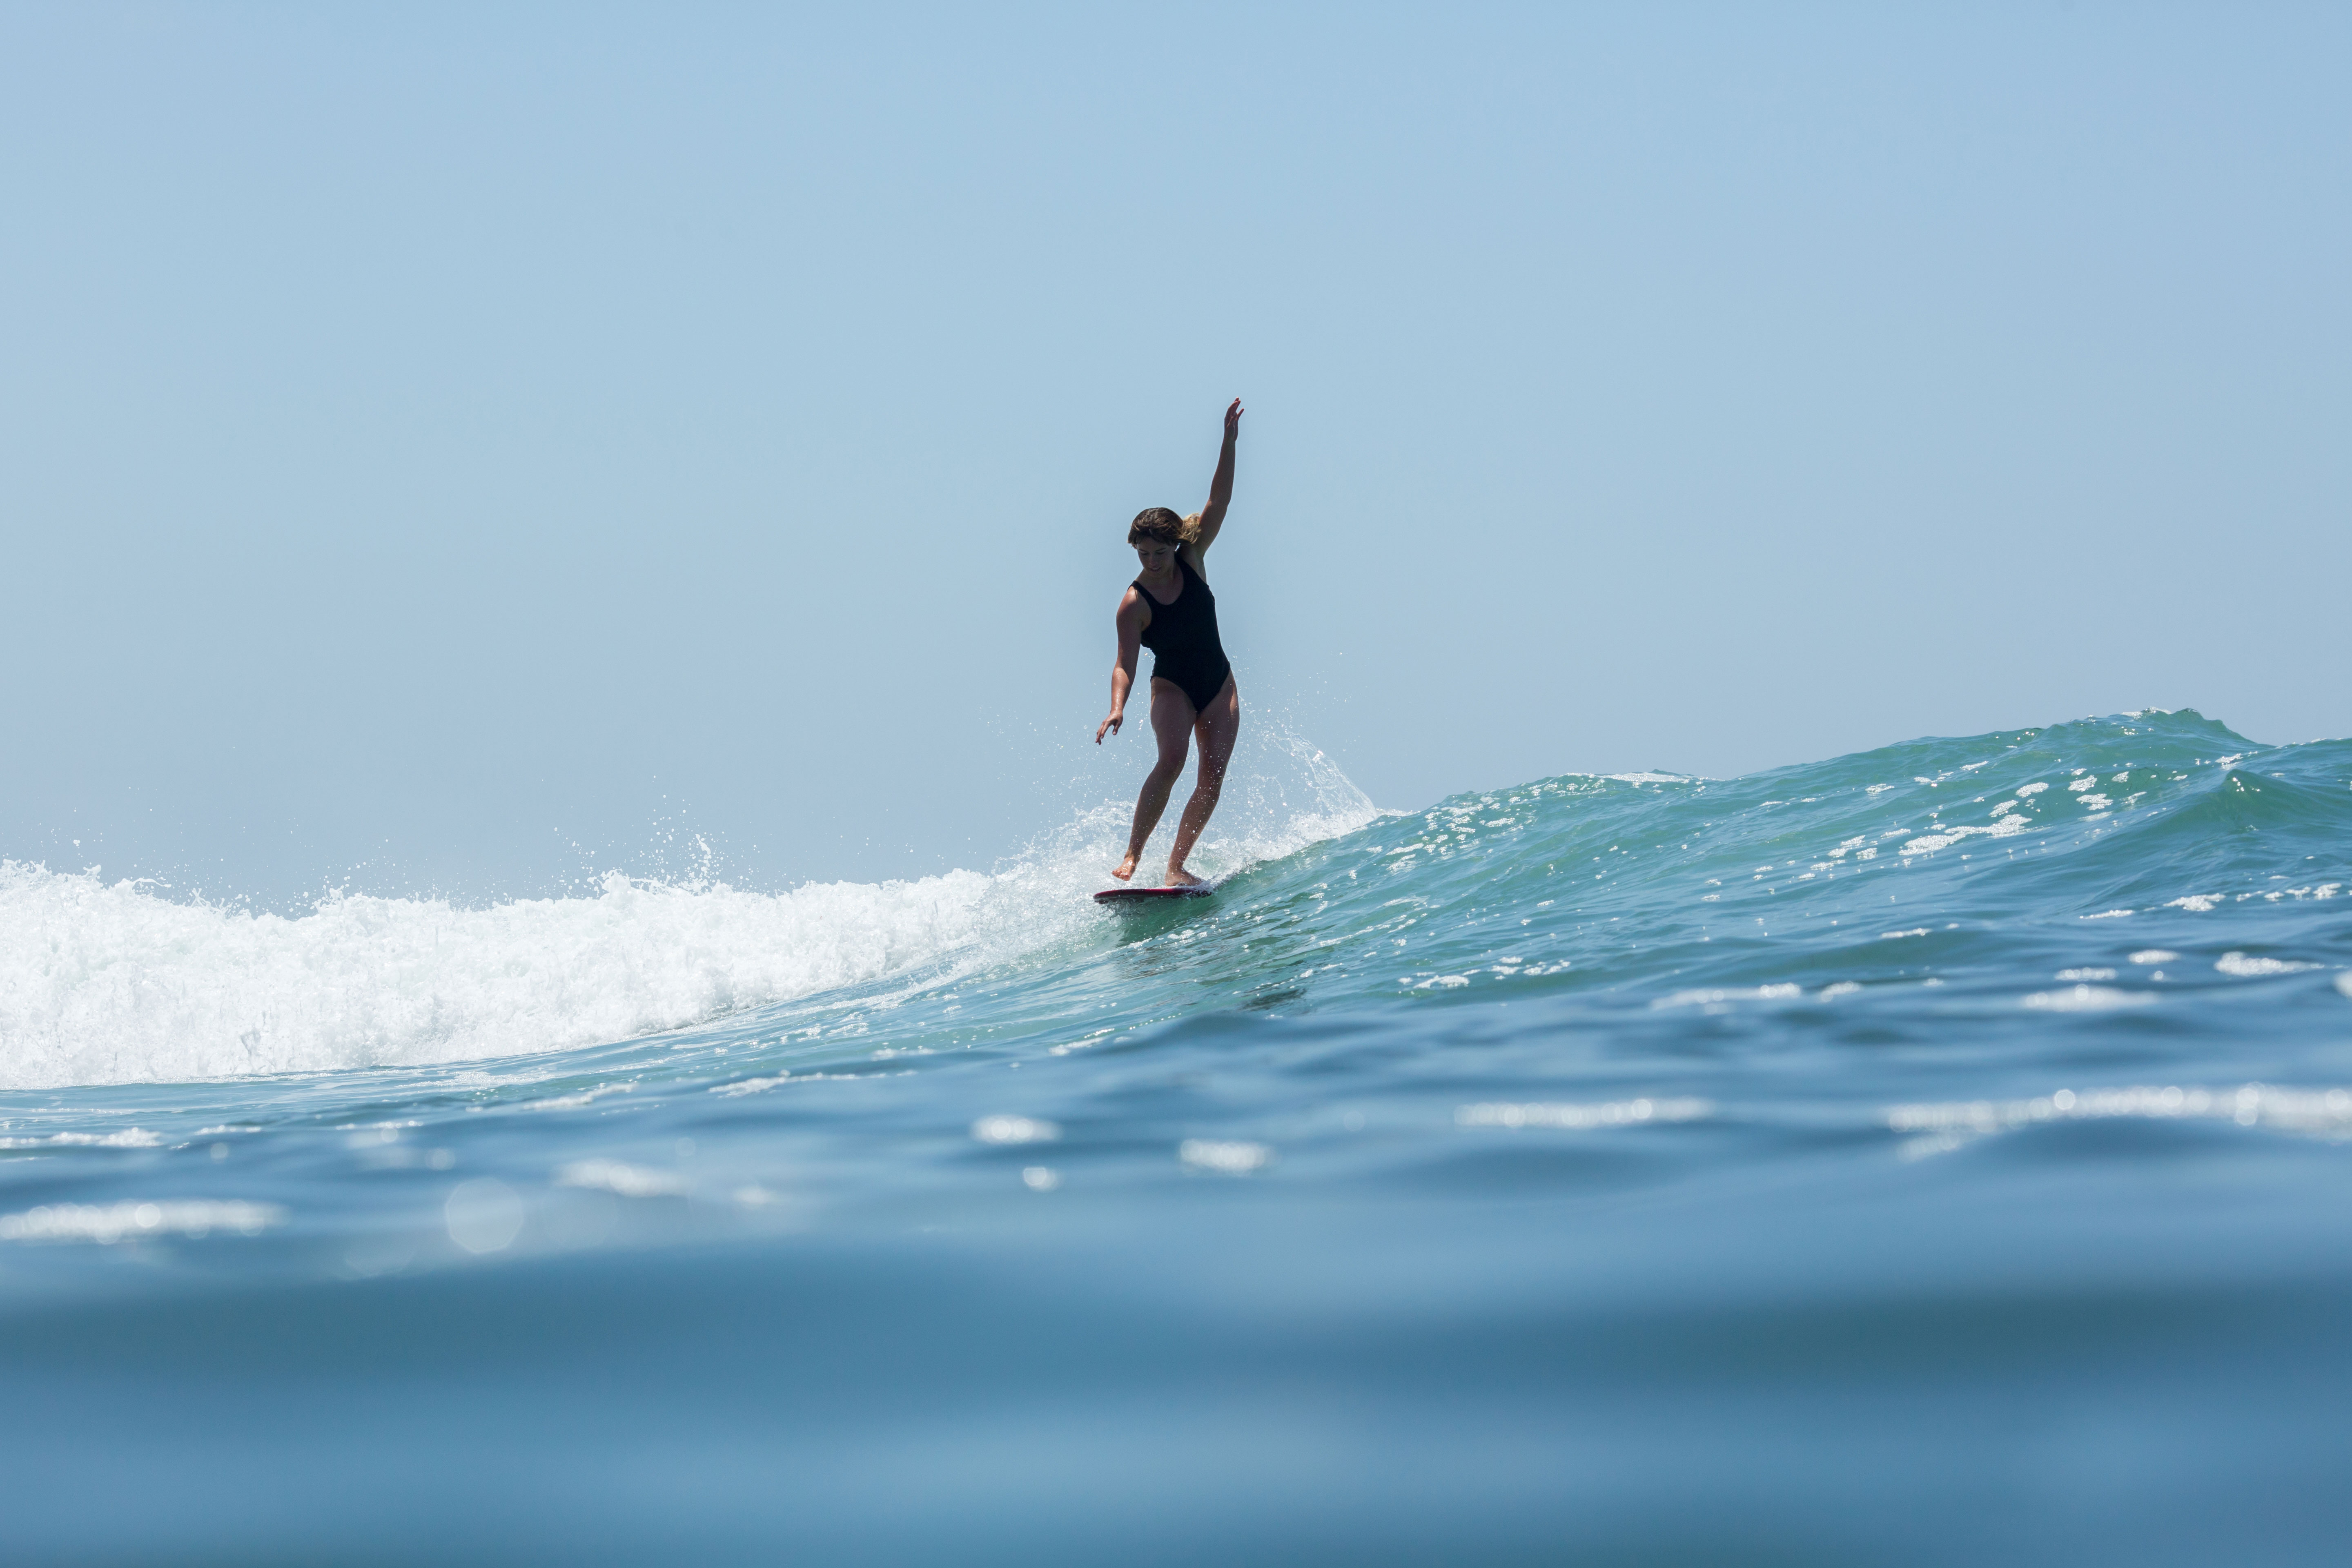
{"points": [[1182, 637]]}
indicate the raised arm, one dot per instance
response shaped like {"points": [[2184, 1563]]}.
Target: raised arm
{"points": [[1132, 616], [1221, 488]]}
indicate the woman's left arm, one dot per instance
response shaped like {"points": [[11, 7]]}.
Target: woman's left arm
{"points": [[1221, 489]]}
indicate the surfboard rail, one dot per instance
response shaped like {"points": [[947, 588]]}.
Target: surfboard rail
{"points": [[1122, 895]]}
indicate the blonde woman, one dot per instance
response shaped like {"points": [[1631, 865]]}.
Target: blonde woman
{"points": [[1170, 610]]}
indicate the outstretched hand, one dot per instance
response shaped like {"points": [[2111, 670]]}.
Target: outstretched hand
{"points": [[1233, 420], [1109, 726]]}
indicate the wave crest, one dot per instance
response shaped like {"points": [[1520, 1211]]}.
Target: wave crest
{"points": [[111, 983]]}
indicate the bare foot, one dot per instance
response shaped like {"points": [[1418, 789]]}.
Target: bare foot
{"points": [[1125, 868], [1179, 878]]}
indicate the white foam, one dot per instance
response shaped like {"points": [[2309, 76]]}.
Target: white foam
{"points": [[1947, 834], [574, 1101], [628, 1180], [1231, 1159], [109, 1223], [1582, 1118], [108, 983], [2247, 967], [761, 1085], [2088, 999], [1015, 1130], [1722, 996], [112, 985], [128, 1138], [2313, 1113]]}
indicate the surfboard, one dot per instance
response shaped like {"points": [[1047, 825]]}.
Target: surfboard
{"points": [[1122, 895]]}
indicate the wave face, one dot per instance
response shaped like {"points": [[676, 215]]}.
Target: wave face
{"points": [[1949, 1138]]}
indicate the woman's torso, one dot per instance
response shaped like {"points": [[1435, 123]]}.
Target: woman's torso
{"points": [[1182, 634]]}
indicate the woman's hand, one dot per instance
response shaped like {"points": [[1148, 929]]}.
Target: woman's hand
{"points": [[1233, 421], [1109, 726]]}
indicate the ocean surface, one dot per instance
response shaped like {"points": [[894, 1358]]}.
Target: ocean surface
{"points": [[1934, 1155]]}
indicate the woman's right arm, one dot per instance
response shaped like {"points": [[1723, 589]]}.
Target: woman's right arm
{"points": [[1132, 616]]}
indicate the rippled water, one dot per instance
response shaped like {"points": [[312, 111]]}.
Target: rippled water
{"points": [[1930, 1155]]}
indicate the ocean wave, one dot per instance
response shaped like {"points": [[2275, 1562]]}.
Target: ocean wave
{"points": [[112, 982], [1709, 895], [1674, 1068]]}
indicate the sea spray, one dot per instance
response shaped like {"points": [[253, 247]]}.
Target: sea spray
{"points": [[114, 982]]}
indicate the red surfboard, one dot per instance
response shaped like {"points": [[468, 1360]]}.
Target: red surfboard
{"points": [[1120, 895]]}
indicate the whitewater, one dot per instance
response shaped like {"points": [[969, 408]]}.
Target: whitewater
{"points": [[117, 982], [1937, 1153]]}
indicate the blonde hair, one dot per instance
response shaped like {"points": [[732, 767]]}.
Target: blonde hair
{"points": [[1162, 523]]}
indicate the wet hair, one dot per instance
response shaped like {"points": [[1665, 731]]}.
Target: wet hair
{"points": [[1158, 523]]}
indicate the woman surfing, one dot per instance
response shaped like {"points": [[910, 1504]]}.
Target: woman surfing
{"points": [[1170, 610]]}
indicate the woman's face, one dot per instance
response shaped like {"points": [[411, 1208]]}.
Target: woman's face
{"points": [[1158, 556]]}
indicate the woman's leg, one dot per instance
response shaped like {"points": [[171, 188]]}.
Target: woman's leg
{"points": [[1219, 726], [1171, 726]]}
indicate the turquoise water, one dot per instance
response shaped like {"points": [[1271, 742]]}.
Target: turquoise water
{"points": [[1930, 1155]]}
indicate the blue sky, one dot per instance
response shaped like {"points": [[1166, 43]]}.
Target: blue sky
{"points": [[433, 438]]}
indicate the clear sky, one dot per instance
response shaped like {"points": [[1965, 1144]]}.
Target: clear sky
{"points": [[435, 437]]}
